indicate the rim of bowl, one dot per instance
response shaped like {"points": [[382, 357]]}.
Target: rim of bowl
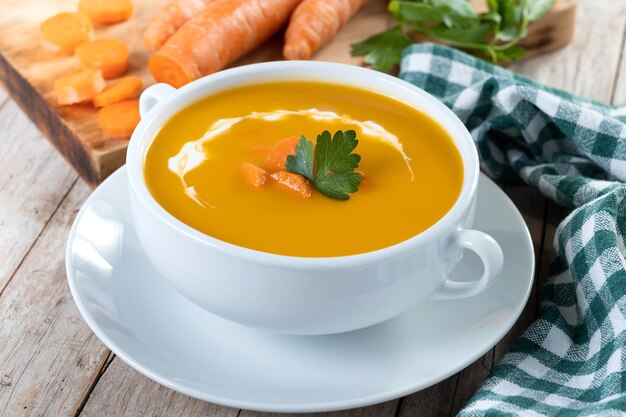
{"points": [[325, 71]]}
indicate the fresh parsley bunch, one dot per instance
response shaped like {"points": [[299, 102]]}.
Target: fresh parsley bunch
{"points": [[492, 35]]}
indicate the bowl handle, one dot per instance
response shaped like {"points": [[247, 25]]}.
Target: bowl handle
{"points": [[152, 96], [487, 250]]}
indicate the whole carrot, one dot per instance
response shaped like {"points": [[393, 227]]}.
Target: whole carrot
{"points": [[171, 16], [315, 22], [224, 31]]}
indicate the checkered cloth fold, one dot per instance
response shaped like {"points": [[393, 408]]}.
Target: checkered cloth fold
{"points": [[572, 360]]}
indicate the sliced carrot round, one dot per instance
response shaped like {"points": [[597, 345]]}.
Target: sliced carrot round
{"points": [[64, 31], [118, 120], [109, 55], [122, 89], [79, 86], [106, 12]]}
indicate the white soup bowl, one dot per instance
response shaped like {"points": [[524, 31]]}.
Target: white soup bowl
{"points": [[300, 295]]}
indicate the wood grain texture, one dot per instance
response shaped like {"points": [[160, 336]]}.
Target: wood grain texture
{"points": [[28, 71], [48, 357], [122, 391], [4, 96], [588, 65], [33, 181], [619, 93]]}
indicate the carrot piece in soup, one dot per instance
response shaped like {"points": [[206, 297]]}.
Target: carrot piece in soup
{"points": [[118, 120], [63, 32], [122, 89], [106, 12], [314, 23], [277, 156], [295, 182], [254, 175], [109, 55], [79, 86], [224, 31], [171, 16]]}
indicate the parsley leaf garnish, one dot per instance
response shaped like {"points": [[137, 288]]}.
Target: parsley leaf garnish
{"points": [[492, 35], [384, 50], [334, 176], [302, 162]]}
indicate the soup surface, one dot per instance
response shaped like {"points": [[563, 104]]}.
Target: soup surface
{"points": [[412, 171]]}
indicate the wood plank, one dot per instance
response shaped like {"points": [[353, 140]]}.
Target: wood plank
{"points": [[48, 357], [122, 391], [4, 96], [33, 181], [435, 401], [619, 93], [589, 64]]}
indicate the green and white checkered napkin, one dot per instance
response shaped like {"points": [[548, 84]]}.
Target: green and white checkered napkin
{"points": [[572, 360]]}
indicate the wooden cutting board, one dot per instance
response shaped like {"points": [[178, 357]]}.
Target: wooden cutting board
{"points": [[28, 71]]}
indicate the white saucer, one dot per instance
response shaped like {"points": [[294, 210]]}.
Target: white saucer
{"points": [[167, 338]]}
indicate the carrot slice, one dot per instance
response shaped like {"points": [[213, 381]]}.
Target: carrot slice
{"points": [[109, 55], [79, 86], [62, 32], [295, 182], [314, 23], [224, 31], [119, 120], [106, 12], [171, 16], [277, 156], [254, 175], [124, 88]]}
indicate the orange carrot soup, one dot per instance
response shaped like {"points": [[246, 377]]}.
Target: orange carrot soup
{"points": [[251, 166]]}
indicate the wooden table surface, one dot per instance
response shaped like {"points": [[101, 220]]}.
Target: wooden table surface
{"points": [[51, 364]]}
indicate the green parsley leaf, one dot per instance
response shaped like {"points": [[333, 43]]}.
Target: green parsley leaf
{"points": [[335, 176], [459, 7], [512, 25], [408, 11], [302, 162], [492, 35], [383, 51], [510, 54], [339, 184]]}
